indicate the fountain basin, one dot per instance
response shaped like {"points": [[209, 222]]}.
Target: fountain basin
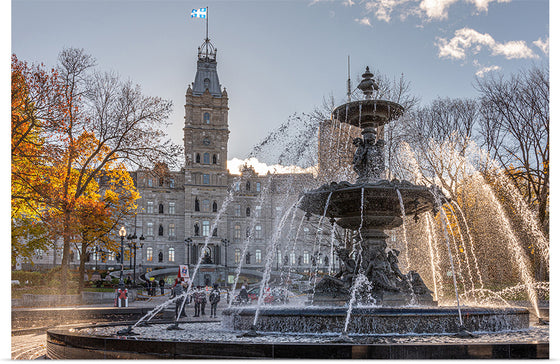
{"points": [[376, 320], [367, 113], [381, 206]]}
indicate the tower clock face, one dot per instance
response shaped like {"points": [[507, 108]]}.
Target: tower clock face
{"points": [[206, 141]]}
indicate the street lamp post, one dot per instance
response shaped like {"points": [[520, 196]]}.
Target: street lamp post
{"points": [[132, 245], [122, 234], [142, 238]]}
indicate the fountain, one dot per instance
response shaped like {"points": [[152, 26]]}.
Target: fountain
{"points": [[364, 309]]}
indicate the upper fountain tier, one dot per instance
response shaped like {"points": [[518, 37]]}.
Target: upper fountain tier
{"points": [[368, 113]]}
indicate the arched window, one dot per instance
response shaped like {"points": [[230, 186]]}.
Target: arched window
{"points": [[160, 257], [258, 232], [214, 206], [206, 116], [161, 208], [196, 204], [292, 258], [248, 211], [197, 158], [206, 158], [171, 254], [160, 230], [214, 159], [248, 186], [258, 256], [196, 230], [149, 254], [205, 228]]}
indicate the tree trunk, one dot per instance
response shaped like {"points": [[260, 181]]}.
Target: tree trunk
{"points": [[65, 253], [82, 270]]}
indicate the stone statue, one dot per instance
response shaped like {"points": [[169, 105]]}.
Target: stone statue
{"points": [[394, 263], [206, 258], [348, 267], [378, 272], [418, 285], [360, 158]]}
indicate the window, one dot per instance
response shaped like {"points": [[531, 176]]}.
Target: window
{"points": [[196, 204], [112, 256], [206, 205], [305, 257], [205, 228], [171, 254], [248, 258], [171, 230], [196, 229], [206, 179], [214, 159], [293, 258], [149, 254], [236, 232], [197, 158], [149, 182], [278, 256], [258, 256], [150, 207], [258, 187], [237, 211], [171, 183], [206, 158], [160, 230], [248, 211], [39, 253], [150, 229], [206, 116], [172, 208], [161, 208], [258, 211], [214, 206], [258, 232], [248, 186], [237, 256], [160, 257]]}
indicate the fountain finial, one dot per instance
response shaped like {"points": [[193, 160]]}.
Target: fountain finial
{"points": [[368, 84]]}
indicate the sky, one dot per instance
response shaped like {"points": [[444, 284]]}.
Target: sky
{"points": [[280, 57]]}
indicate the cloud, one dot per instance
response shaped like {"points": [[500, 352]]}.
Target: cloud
{"points": [[384, 8], [348, 3], [467, 38], [235, 166], [543, 45], [436, 9], [483, 70], [364, 21], [482, 5]]}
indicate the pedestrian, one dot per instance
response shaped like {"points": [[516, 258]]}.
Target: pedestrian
{"points": [[202, 302], [178, 291], [162, 286], [243, 295], [197, 301], [214, 299]]}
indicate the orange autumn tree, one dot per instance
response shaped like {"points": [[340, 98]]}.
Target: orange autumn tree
{"points": [[35, 107], [106, 124]]}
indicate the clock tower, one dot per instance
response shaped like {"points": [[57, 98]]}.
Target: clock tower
{"points": [[206, 136]]}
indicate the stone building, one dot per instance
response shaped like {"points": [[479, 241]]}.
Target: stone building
{"points": [[204, 212]]}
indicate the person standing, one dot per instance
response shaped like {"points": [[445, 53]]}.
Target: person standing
{"points": [[178, 291], [214, 299], [202, 302], [162, 286], [197, 301]]}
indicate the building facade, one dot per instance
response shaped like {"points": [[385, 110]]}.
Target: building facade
{"points": [[205, 215]]}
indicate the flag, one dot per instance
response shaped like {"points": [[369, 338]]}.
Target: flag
{"points": [[183, 271], [199, 13]]}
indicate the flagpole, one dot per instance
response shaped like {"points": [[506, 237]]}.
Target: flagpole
{"points": [[207, 8]]}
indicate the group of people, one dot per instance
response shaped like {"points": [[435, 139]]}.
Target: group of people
{"points": [[200, 297], [151, 286]]}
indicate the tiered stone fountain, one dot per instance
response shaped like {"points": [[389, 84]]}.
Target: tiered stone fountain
{"points": [[395, 303]]}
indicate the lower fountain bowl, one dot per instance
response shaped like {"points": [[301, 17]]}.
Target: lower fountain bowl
{"points": [[376, 320]]}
